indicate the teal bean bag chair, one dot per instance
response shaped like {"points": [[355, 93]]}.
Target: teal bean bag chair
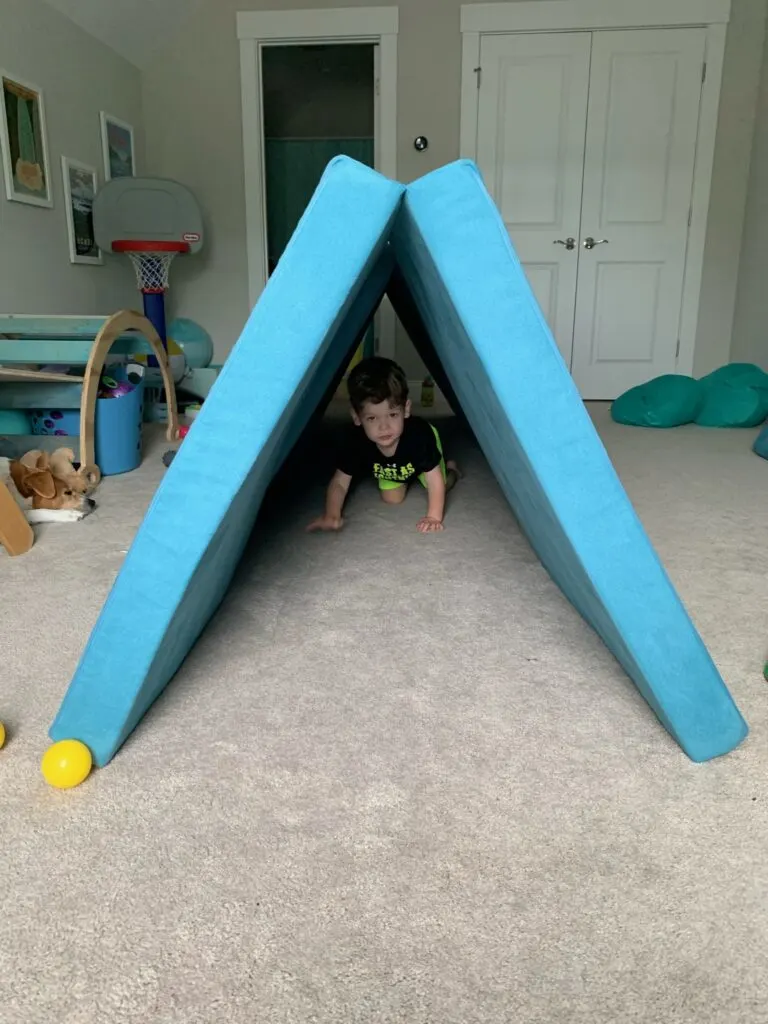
{"points": [[667, 401], [726, 406], [760, 446], [735, 395]]}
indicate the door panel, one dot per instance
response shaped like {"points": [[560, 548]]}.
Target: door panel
{"points": [[645, 91], [543, 279], [532, 112], [616, 338]]}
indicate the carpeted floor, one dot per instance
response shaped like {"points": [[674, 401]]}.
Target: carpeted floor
{"points": [[398, 780]]}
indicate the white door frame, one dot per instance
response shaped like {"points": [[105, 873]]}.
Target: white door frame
{"points": [[256, 29], [478, 20]]}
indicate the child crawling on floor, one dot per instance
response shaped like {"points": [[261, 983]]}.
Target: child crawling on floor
{"points": [[389, 444]]}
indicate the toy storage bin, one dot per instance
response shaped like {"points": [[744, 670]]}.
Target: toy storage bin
{"points": [[55, 422], [118, 432], [117, 429]]}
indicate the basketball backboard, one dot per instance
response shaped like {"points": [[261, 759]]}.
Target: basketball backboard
{"points": [[146, 209]]}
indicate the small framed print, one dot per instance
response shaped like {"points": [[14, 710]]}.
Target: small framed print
{"points": [[80, 185], [24, 142], [117, 147]]}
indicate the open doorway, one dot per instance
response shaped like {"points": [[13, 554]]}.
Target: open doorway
{"points": [[367, 30], [318, 103]]}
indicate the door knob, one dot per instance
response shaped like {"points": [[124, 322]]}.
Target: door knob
{"points": [[590, 243], [569, 243]]}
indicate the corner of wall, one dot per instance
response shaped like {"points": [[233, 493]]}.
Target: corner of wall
{"points": [[750, 326], [79, 76], [730, 182]]}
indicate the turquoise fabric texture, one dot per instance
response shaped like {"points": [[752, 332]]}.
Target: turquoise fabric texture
{"points": [[760, 446], [735, 395]]}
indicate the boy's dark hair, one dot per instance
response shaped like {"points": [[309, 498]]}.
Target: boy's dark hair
{"points": [[377, 380]]}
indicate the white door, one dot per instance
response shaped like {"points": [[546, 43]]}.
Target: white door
{"points": [[593, 136], [532, 117], [644, 96]]}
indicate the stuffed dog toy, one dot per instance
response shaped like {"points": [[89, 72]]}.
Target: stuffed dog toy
{"points": [[82, 479], [44, 496]]}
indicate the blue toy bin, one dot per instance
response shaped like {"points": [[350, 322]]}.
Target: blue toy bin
{"points": [[55, 422], [118, 428], [118, 432]]}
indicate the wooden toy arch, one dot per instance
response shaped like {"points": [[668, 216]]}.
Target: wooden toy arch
{"points": [[114, 326]]}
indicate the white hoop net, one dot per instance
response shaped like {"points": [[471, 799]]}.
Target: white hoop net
{"points": [[151, 269]]}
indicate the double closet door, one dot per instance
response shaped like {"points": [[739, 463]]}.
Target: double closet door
{"points": [[587, 142]]}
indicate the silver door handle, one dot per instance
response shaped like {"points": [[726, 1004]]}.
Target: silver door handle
{"points": [[569, 243], [590, 243]]}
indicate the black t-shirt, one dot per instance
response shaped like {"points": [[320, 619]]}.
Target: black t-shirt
{"points": [[416, 453]]}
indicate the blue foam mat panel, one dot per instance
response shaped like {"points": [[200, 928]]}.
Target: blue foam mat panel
{"points": [[488, 332], [177, 571], [460, 284]]}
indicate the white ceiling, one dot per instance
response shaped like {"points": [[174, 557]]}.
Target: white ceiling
{"points": [[136, 29]]}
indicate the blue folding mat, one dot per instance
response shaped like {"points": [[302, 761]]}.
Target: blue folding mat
{"points": [[461, 292]]}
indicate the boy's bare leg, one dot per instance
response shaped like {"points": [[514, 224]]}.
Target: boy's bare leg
{"points": [[394, 495]]}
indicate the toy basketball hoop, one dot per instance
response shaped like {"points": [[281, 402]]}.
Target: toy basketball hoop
{"points": [[151, 261], [151, 221]]}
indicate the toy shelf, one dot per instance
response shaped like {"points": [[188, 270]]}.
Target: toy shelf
{"points": [[72, 341]]}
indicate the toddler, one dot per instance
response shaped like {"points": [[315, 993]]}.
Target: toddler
{"points": [[388, 444]]}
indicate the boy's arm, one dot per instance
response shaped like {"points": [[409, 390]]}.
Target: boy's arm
{"points": [[335, 497], [433, 520]]}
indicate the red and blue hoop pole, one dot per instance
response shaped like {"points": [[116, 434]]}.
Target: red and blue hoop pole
{"points": [[153, 298], [154, 311]]}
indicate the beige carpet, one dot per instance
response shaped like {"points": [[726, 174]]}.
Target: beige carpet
{"points": [[398, 780]]}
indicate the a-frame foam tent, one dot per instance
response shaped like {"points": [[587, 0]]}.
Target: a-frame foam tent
{"points": [[453, 276]]}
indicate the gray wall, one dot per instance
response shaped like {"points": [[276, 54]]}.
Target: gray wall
{"points": [[193, 130], [750, 329], [79, 76]]}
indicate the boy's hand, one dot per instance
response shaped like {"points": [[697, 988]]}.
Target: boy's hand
{"points": [[429, 525], [335, 497], [327, 524]]}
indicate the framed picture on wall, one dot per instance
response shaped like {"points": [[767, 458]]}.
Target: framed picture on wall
{"points": [[24, 142], [117, 147], [80, 184]]}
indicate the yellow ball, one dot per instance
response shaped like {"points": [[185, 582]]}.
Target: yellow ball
{"points": [[66, 764], [2, 734]]}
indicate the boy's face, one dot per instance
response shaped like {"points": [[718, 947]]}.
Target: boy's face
{"points": [[383, 423]]}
